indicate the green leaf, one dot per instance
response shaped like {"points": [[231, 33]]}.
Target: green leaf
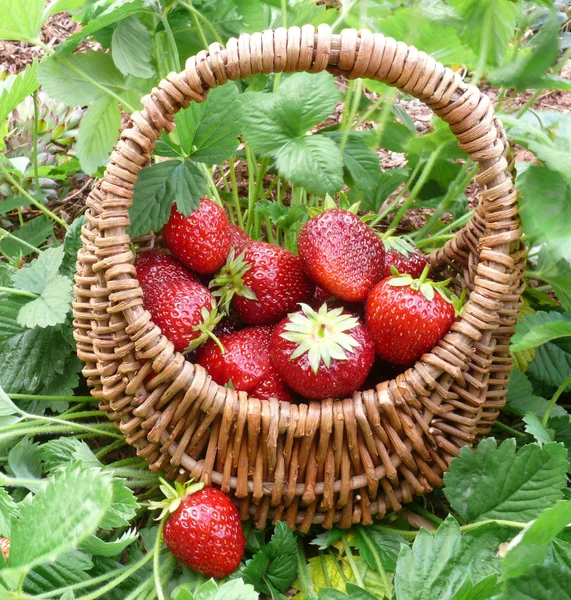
{"points": [[8, 511], [123, 507], [557, 272], [64, 450], [387, 182], [35, 232], [480, 548], [540, 328], [541, 582], [488, 26], [21, 20], [131, 48], [535, 427], [521, 399], [95, 546], [528, 71], [208, 132], [71, 246], [98, 133], [65, 512], [545, 206], [68, 569], [561, 427], [80, 79], [31, 358], [496, 482], [370, 541], [314, 162], [545, 371], [62, 6], [430, 568], [34, 276], [261, 130], [483, 590], [157, 187], [51, 307], [235, 589], [24, 460], [532, 545], [16, 88]]}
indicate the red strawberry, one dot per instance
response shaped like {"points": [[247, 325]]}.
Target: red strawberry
{"points": [[323, 354], [408, 316], [203, 530], [185, 311], [341, 254], [239, 239], [158, 264], [264, 283], [202, 240], [245, 363], [404, 257]]}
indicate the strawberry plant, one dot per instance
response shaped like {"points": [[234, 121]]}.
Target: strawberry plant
{"points": [[248, 192]]}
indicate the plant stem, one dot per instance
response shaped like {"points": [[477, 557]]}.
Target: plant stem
{"points": [[417, 187], [27, 195], [235, 195], [509, 429], [15, 292], [7, 234], [554, 399], [189, 7], [352, 562], [422, 511], [17, 482], [484, 46], [324, 569], [84, 399], [377, 559], [127, 572], [303, 573], [35, 142], [501, 523], [156, 561], [348, 118]]}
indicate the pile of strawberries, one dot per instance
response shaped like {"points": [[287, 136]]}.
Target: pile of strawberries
{"points": [[262, 320]]}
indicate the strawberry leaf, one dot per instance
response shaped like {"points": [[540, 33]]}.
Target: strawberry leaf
{"points": [[70, 568], [496, 482], [15, 88], [521, 399], [35, 232], [547, 581], [131, 48], [8, 512], [540, 328], [21, 20]]}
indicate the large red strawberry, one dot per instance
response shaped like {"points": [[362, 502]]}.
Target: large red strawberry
{"points": [[157, 265], [184, 310], [202, 240], [408, 316], [203, 529], [245, 363], [239, 239], [404, 257], [323, 354], [263, 284], [341, 254]]}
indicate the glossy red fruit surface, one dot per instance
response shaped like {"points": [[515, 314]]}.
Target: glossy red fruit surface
{"points": [[158, 265], [341, 254], [239, 239], [272, 386], [277, 279], [205, 533], [323, 354], [404, 322], [201, 241], [177, 308], [404, 257]]}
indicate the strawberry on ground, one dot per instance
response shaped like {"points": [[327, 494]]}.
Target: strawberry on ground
{"points": [[408, 316], [404, 257], [263, 284], [184, 310], [245, 363], [201, 241], [157, 265], [239, 239], [341, 254], [203, 529], [323, 354]]}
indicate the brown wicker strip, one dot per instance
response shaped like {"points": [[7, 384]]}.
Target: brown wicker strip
{"points": [[338, 461]]}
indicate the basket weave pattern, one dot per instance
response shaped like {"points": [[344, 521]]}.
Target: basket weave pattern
{"points": [[334, 461]]}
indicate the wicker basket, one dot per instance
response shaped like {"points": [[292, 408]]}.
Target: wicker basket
{"points": [[335, 461]]}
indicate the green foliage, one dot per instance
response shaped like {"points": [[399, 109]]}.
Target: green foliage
{"points": [[16, 88], [540, 328], [131, 48], [21, 21]]}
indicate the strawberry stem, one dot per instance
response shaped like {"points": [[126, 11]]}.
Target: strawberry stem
{"points": [[423, 275]]}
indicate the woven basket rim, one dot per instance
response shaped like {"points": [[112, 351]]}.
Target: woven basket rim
{"points": [[114, 333]]}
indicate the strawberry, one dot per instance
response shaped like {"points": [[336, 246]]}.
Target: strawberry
{"points": [[201, 241], [408, 316], [203, 529], [404, 257], [323, 354], [239, 239], [158, 264], [263, 284], [341, 254], [5, 547], [184, 310], [245, 363]]}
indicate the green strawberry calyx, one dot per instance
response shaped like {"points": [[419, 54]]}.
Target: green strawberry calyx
{"points": [[229, 281], [428, 287], [330, 204], [210, 318], [174, 495], [401, 244], [323, 334]]}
